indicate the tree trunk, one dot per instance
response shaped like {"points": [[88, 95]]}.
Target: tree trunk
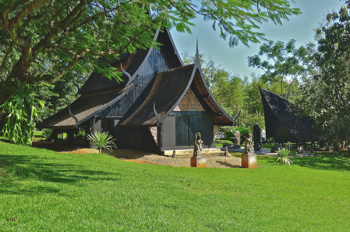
{"points": [[3, 121]]}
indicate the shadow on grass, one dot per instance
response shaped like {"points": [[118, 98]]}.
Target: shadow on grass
{"points": [[17, 169], [325, 162], [228, 164]]}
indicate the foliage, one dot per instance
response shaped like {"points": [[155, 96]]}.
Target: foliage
{"points": [[102, 140], [44, 40], [52, 38], [284, 61], [220, 141], [283, 156], [79, 192], [326, 96], [23, 109], [47, 133], [229, 135]]}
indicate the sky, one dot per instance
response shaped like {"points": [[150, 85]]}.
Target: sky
{"points": [[235, 60]]}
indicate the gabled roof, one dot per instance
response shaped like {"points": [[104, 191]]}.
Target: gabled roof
{"points": [[98, 82], [168, 90], [287, 113], [131, 64], [85, 107]]}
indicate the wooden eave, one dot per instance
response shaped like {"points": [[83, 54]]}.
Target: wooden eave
{"points": [[84, 108]]}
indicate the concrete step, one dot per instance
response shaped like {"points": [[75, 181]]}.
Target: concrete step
{"points": [[189, 152]]}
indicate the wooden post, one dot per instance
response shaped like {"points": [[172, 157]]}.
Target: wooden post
{"points": [[70, 137], [55, 138]]}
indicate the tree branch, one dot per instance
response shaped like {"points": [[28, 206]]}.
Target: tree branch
{"points": [[26, 10], [56, 28], [140, 33], [8, 53]]}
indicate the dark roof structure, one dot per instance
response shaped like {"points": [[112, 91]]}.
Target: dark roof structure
{"points": [[169, 88], [158, 74], [283, 121], [85, 107]]}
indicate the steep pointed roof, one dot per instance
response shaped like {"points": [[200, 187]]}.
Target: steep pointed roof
{"points": [[168, 90], [287, 113], [131, 63], [100, 92]]}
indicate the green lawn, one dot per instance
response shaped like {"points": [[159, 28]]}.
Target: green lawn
{"points": [[42, 190]]}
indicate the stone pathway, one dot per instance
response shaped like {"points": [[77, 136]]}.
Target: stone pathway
{"points": [[261, 152], [268, 152]]}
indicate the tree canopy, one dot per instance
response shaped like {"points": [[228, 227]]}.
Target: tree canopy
{"points": [[326, 96], [284, 61], [45, 39]]}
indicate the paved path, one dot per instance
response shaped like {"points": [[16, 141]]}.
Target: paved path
{"points": [[241, 150], [268, 152]]}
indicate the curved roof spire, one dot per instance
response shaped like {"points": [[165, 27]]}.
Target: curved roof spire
{"points": [[197, 63]]}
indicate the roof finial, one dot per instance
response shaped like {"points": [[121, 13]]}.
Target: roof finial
{"points": [[72, 115], [197, 55]]}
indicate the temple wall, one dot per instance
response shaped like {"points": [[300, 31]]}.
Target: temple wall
{"points": [[189, 103]]}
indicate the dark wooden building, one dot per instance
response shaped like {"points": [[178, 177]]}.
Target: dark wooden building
{"points": [[159, 106], [283, 122]]}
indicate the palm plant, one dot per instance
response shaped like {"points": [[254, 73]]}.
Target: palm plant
{"points": [[102, 140], [283, 156]]}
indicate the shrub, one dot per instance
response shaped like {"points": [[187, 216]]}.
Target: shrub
{"points": [[284, 156], [102, 140], [47, 133], [229, 135], [270, 140]]}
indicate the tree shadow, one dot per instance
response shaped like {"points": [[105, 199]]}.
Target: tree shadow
{"points": [[325, 162], [228, 164], [16, 168]]}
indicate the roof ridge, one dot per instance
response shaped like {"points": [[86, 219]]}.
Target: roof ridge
{"points": [[278, 96], [172, 69]]}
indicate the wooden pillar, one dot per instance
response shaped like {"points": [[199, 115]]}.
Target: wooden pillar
{"points": [[87, 132], [70, 137], [55, 138]]}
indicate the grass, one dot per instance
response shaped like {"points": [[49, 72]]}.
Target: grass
{"points": [[221, 141], [42, 190]]}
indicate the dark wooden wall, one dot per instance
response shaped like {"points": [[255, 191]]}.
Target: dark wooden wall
{"points": [[139, 138]]}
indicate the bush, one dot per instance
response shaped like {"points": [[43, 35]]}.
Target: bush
{"points": [[47, 133], [284, 156], [102, 140], [229, 135]]}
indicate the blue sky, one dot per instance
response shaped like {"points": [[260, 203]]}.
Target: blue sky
{"points": [[301, 28]]}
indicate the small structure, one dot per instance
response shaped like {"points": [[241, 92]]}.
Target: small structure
{"points": [[226, 152], [248, 157], [198, 160], [257, 137], [237, 144], [174, 154], [283, 122]]}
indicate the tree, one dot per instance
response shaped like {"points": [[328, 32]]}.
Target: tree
{"points": [[46, 39], [284, 61], [326, 96]]}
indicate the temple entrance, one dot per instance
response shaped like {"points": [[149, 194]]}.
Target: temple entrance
{"points": [[186, 127]]}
